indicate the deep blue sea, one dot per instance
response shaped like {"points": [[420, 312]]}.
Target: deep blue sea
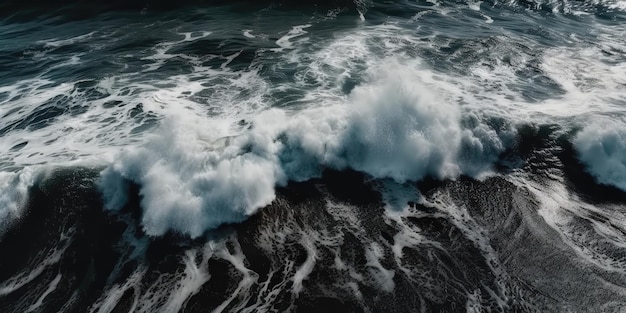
{"points": [[319, 156]]}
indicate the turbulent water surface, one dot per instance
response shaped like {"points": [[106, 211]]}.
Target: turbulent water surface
{"points": [[288, 156]]}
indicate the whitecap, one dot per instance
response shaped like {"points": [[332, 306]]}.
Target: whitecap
{"points": [[196, 174]]}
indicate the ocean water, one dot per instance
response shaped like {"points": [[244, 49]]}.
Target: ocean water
{"points": [[286, 156]]}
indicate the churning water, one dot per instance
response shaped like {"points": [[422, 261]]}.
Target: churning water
{"points": [[366, 156]]}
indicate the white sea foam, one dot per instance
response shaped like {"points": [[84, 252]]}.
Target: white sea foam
{"points": [[13, 192], [51, 287], [57, 43], [53, 123], [88, 122], [199, 173], [593, 231], [285, 42], [41, 262], [618, 5], [400, 130], [593, 82], [189, 188], [602, 148], [380, 276], [217, 152], [248, 33]]}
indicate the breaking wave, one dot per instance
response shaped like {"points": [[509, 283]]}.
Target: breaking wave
{"points": [[290, 156], [602, 148], [192, 180], [13, 196]]}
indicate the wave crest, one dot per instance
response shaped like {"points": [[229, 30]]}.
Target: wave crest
{"points": [[13, 195], [602, 148], [195, 176]]}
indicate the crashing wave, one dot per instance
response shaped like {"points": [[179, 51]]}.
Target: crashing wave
{"points": [[192, 180], [602, 148], [13, 195]]}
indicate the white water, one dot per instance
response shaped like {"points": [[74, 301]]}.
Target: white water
{"points": [[602, 147], [206, 148], [192, 179], [13, 196]]}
